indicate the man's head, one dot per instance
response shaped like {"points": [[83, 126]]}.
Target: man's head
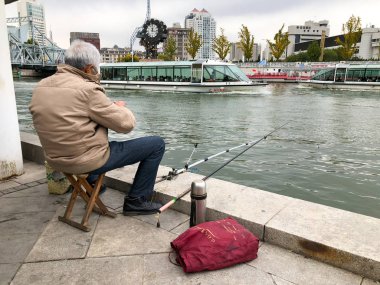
{"points": [[83, 56]]}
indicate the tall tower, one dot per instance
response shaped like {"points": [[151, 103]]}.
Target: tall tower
{"points": [[35, 11], [204, 24]]}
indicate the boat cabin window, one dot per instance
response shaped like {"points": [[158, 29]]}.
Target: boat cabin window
{"points": [[106, 73], [372, 75], [340, 74], [324, 75], [356, 75], [182, 73], [165, 73], [222, 73], [196, 75], [119, 73], [149, 73], [134, 73]]}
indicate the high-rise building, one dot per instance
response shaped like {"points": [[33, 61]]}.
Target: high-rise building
{"points": [[310, 31], [180, 36], [92, 38], [35, 11], [204, 24]]}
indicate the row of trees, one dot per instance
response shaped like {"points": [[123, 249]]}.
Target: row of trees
{"points": [[221, 46]]}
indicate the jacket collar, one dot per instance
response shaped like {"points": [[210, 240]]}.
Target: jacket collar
{"points": [[63, 68]]}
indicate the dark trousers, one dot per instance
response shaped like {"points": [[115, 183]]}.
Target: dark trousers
{"points": [[147, 150]]}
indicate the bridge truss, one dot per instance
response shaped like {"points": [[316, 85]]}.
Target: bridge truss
{"points": [[44, 54]]}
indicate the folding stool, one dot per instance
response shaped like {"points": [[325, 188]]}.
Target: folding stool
{"points": [[89, 195]]}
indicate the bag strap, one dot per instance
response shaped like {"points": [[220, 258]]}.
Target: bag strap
{"points": [[173, 258]]}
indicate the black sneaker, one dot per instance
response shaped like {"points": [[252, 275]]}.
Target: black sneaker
{"points": [[139, 206]]}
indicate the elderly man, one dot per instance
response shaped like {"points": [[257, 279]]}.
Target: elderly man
{"points": [[72, 114]]}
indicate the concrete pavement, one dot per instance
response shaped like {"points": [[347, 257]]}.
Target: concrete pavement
{"points": [[35, 248]]}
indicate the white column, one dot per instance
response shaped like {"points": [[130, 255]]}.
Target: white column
{"points": [[10, 145]]}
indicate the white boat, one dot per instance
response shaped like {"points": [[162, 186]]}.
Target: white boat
{"points": [[181, 76], [347, 76]]}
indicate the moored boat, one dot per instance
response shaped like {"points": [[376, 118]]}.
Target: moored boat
{"points": [[181, 76], [347, 76]]}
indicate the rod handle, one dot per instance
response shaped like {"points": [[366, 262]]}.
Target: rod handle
{"points": [[167, 205]]}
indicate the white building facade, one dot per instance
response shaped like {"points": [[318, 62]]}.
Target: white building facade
{"points": [[309, 31], [204, 24], [35, 11], [369, 46]]}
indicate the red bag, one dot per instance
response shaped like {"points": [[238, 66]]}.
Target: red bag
{"points": [[215, 245]]}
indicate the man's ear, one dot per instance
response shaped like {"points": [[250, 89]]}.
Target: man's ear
{"points": [[88, 69]]}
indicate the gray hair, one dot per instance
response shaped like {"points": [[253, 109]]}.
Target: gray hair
{"points": [[80, 54]]}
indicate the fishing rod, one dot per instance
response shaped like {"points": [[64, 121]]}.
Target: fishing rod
{"points": [[174, 200], [176, 172]]}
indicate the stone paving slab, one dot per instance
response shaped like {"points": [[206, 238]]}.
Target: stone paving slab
{"points": [[113, 199], [299, 269], [369, 282], [6, 184], [181, 228], [122, 270], [128, 236], [29, 204], [14, 247], [61, 241], [35, 191], [23, 223], [7, 271], [32, 172], [169, 220], [344, 239], [158, 270]]}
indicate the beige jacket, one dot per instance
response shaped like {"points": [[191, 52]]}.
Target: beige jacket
{"points": [[71, 115]]}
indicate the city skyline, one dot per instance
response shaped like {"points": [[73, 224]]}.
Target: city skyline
{"points": [[115, 20]]}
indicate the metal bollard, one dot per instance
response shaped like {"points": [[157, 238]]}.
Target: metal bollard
{"points": [[198, 202]]}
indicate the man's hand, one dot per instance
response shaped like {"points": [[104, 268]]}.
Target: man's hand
{"points": [[119, 103]]}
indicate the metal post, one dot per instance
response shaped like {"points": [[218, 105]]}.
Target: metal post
{"points": [[10, 145], [198, 202]]}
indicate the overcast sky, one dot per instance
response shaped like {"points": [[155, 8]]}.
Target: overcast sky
{"points": [[115, 20]]}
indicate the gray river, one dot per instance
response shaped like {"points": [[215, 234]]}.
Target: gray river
{"points": [[328, 153]]}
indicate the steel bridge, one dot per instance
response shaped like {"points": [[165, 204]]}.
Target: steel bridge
{"points": [[43, 54]]}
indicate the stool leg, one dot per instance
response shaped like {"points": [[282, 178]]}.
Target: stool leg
{"points": [[66, 218], [102, 208], [93, 196]]}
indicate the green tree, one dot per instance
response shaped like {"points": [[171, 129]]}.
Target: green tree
{"points": [[170, 50], [280, 43], [314, 51], [194, 43], [246, 42], [299, 57], [221, 46], [128, 58], [352, 33], [330, 55]]}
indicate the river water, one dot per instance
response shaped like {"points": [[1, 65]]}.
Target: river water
{"points": [[328, 153]]}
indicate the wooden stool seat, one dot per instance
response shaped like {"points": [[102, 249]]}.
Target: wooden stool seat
{"points": [[90, 195]]}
